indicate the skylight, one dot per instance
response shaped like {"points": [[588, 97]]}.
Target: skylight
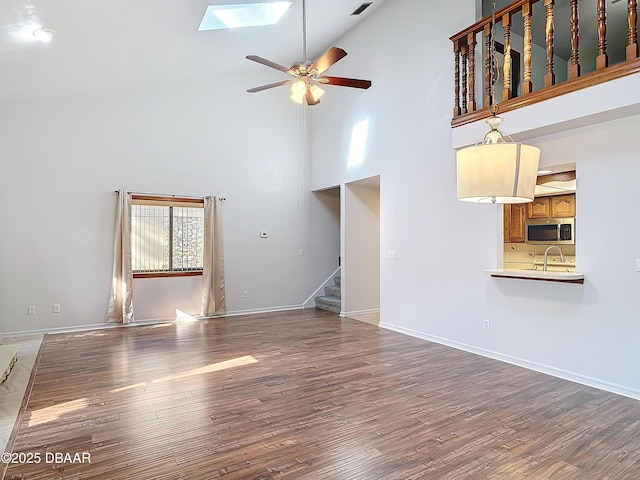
{"points": [[219, 17]]}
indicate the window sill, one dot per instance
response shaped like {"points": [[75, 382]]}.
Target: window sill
{"points": [[197, 273]]}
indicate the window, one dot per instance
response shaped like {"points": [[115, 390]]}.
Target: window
{"points": [[167, 236]]}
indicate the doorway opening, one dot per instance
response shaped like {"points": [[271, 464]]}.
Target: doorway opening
{"points": [[361, 250]]}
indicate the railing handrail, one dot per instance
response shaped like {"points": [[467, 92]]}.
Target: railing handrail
{"points": [[480, 24], [535, 82], [588, 80]]}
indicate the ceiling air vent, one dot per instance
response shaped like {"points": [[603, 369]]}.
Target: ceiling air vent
{"points": [[361, 8]]}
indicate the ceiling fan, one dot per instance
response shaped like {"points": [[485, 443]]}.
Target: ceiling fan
{"points": [[307, 75]]}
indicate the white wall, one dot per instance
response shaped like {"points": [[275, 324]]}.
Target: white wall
{"points": [[324, 225], [591, 331], [361, 266], [63, 158], [435, 288]]}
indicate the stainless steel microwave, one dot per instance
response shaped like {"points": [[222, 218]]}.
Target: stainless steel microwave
{"points": [[551, 231]]}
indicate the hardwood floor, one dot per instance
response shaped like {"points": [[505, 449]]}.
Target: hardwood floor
{"points": [[308, 395]]}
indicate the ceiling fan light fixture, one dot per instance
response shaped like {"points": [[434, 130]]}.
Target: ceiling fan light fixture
{"points": [[307, 73], [316, 92], [300, 88], [298, 91]]}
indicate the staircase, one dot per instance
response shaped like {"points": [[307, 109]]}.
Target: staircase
{"points": [[8, 358], [331, 301]]}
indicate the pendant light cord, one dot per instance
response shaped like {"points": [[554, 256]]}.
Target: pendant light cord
{"points": [[495, 71]]}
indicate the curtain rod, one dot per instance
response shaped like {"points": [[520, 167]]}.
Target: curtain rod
{"points": [[167, 195]]}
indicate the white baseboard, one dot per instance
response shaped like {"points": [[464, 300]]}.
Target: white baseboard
{"points": [[285, 308], [538, 367], [75, 328], [148, 321], [372, 311]]}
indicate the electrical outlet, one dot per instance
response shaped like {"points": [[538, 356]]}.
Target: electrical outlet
{"points": [[245, 294], [300, 252], [32, 310], [487, 324], [391, 254], [56, 308]]}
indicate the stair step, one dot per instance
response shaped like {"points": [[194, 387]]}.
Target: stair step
{"points": [[8, 358], [331, 304], [332, 291]]}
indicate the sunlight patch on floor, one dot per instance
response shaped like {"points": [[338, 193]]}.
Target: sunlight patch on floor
{"points": [[54, 412], [214, 367]]}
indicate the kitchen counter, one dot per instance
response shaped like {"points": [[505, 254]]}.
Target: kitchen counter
{"points": [[564, 277]]}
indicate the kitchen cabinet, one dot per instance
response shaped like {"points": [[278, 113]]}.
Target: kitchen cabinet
{"points": [[515, 216], [539, 208], [563, 206], [506, 223]]}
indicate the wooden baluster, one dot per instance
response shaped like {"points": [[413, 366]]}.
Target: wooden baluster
{"points": [[456, 76], [471, 42], [464, 74], [487, 66], [506, 66], [632, 19], [527, 85], [550, 77], [574, 63], [601, 59]]}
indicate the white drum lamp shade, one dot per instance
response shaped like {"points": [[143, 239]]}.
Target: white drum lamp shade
{"points": [[496, 171]]}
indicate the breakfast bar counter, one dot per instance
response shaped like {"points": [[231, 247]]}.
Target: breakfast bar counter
{"points": [[563, 277]]}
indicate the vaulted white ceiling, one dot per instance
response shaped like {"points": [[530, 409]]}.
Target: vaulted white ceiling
{"points": [[101, 44]]}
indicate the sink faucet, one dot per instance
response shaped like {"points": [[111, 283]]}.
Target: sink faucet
{"points": [[546, 252]]}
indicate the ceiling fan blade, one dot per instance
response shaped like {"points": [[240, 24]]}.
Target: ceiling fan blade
{"points": [[345, 82], [310, 99], [270, 85], [268, 63], [330, 57]]}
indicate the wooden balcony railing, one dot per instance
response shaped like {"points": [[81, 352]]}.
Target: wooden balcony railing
{"points": [[552, 52]]}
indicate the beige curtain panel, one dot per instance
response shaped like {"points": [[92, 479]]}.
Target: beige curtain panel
{"points": [[213, 296], [120, 308]]}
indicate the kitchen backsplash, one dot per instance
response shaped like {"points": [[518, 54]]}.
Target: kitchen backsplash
{"points": [[522, 253]]}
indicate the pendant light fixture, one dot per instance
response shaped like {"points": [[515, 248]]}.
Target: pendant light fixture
{"points": [[496, 169]]}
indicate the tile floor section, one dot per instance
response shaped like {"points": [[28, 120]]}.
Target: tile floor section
{"points": [[12, 390]]}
